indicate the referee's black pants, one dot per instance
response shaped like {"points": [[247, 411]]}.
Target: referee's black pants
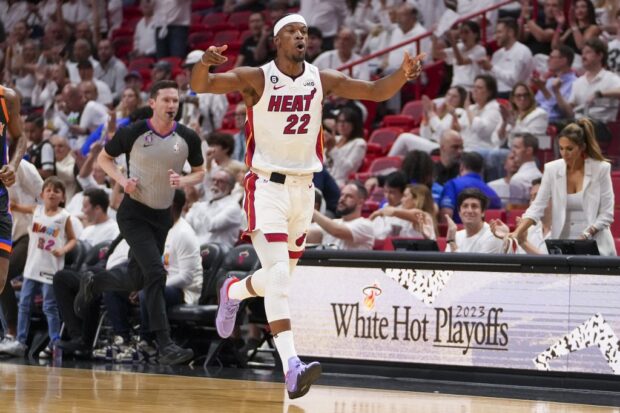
{"points": [[145, 229]]}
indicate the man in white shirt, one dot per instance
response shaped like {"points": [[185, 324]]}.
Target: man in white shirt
{"points": [[113, 70], [351, 231], [524, 149], [343, 54], [408, 27], [87, 74], [328, 16], [82, 51], [85, 116], [501, 186], [594, 94], [172, 20], [144, 36], [512, 63], [100, 227], [219, 219], [476, 236], [182, 258]]}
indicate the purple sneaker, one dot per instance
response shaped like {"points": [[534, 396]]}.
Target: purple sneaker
{"points": [[300, 377], [227, 310]]}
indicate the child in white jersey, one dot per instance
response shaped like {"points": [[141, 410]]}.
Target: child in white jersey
{"points": [[51, 237]]}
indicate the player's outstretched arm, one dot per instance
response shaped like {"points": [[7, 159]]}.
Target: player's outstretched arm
{"points": [[339, 84], [238, 79], [8, 172]]}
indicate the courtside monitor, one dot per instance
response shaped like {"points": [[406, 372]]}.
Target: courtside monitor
{"points": [[415, 245], [572, 247]]}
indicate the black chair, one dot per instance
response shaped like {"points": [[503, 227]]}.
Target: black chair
{"points": [[95, 254], [75, 258], [240, 262]]}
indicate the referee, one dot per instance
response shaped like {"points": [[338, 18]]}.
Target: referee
{"points": [[156, 150]]}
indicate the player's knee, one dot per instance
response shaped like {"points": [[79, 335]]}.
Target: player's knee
{"points": [[279, 279]]}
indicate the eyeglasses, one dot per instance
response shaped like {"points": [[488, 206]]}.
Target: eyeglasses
{"points": [[521, 95]]}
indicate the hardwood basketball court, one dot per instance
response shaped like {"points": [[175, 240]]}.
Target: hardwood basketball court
{"points": [[104, 388]]}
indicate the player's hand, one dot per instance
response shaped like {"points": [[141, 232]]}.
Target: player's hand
{"points": [[412, 66], [213, 56], [58, 252], [175, 179], [7, 175], [130, 185]]}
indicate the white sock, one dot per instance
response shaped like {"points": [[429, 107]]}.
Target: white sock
{"points": [[286, 347], [239, 290]]}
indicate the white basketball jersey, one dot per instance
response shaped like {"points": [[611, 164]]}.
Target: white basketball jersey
{"points": [[284, 130], [46, 234]]}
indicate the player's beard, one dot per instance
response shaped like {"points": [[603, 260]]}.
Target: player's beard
{"points": [[297, 58]]}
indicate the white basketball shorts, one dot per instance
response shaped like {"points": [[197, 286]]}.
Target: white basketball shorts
{"points": [[281, 211]]}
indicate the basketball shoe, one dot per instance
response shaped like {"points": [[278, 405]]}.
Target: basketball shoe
{"points": [[300, 377]]}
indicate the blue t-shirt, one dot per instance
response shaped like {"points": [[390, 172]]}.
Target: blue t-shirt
{"points": [[97, 135], [453, 188]]}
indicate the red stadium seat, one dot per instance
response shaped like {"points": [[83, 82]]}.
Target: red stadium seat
{"points": [[385, 138], [198, 28], [138, 63], [217, 21], [369, 207], [512, 215], [131, 12], [123, 45], [199, 38], [122, 31], [226, 37], [615, 183], [442, 243], [400, 121], [385, 163], [491, 214], [201, 5], [239, 19], [415, 110]]}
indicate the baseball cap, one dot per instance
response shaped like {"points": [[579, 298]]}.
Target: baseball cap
{"points": [[193, 57], [163, 65], [134, 74]]}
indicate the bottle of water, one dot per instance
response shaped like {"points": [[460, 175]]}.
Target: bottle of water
{"points": [[56, 352]]}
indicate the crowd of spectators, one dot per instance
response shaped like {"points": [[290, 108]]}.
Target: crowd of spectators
{"points": [[504, 109]]}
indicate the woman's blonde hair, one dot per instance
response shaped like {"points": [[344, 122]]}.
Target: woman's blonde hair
{"points": [[424, 200], [126, 112], [582, 133]]}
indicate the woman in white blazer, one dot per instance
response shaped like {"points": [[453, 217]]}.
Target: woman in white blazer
{"points": [[579, 187]]}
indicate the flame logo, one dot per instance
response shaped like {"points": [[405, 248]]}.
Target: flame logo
{"points": [[242, 256], [370, 294]]}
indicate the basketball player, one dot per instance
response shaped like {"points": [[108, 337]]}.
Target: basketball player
{"points": [[9, 119], [284, 140]]}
